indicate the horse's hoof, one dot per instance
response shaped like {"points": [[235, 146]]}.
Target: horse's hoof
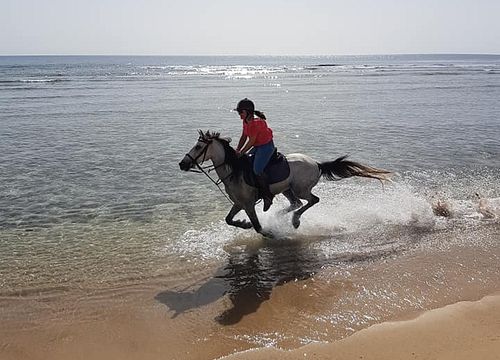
{"points": [[242, 224], [295, 222], [267, 234], [246, 225]]}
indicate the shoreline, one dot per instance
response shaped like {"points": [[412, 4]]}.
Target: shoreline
{"points": [[463, 330]]}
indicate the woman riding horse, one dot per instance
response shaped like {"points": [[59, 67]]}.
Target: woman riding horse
{"points": [[258, 138], [305, 173]]}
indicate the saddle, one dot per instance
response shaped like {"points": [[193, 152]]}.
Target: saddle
{"points": [[276, 170]]}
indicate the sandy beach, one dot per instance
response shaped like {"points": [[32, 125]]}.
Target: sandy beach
{"points": [[446, 306], [465, 330]]}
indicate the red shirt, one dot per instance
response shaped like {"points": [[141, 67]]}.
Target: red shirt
{"points": [[258, 128]]}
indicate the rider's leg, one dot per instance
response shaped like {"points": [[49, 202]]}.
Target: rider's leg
{"points": [[263, 185], [262, 155]]}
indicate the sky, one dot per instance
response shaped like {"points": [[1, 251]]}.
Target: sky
{"points": [[258, 27]]}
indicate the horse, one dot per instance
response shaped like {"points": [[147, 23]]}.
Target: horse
{"points": [[304, 175]]}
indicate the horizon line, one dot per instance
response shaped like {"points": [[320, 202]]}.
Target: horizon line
{"points": [[247, 55]]}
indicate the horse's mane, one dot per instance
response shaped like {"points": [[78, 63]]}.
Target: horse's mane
{"points": [[231, 158]]}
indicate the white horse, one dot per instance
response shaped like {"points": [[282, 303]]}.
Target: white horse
{"points": [[304, 175]]}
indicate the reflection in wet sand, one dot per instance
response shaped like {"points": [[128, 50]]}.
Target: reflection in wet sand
{"points": [[248, 279]]}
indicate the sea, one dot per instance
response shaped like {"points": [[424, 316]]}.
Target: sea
{"points": [[92, 199]]}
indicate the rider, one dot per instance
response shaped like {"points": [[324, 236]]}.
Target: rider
{"points": [[260, 137]]}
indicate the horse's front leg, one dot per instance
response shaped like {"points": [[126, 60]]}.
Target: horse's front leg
{"points": [[252, 215], [238, 223]]}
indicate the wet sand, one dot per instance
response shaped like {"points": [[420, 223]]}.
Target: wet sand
{"points": [[257, 301], [465, 330]]}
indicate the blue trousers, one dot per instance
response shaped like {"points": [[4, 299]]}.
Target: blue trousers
{"points": [[262, 154]]}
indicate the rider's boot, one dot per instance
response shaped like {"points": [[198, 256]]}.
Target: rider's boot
{"points": [[264, 191]]}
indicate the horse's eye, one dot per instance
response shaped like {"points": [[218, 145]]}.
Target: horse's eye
{"points": [[197, 147]]}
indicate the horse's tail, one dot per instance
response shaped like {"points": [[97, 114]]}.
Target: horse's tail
{"points": [[342, 168]]}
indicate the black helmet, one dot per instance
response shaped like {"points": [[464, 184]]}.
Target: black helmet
{"points": [[245, 104]]}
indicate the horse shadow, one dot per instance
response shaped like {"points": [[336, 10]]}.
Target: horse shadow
{"points": [[248, 279]]}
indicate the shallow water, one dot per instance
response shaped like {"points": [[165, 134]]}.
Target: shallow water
{"points": [[93, 201]]}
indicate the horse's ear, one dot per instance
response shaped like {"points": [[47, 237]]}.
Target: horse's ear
{"points": [[204, 135]]}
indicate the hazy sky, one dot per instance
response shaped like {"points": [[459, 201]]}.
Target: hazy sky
{"points": [[234, 27]]}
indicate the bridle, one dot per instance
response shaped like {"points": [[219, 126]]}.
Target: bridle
{"points": [[204, 153], [206, 169]]}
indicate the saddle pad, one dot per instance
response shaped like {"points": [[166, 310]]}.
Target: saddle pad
{"points": [[276, 170]]}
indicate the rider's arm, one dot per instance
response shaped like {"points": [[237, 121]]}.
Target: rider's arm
{"points": [[242, 141], [249, 144]]}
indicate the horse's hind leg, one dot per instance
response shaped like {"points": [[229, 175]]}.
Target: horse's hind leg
{"points": [[295, 202], [311, 201], [238, 223]]}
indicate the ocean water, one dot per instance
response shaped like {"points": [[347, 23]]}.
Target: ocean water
{"points": [[91, 195]]}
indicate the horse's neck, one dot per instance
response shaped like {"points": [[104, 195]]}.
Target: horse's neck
{"points": [[223, 170]]}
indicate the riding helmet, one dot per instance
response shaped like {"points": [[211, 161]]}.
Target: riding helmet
{"points": [[245, 104]]}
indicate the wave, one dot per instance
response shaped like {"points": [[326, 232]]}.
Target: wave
{"points": [[401, 69], [163, 72], [227, 71], [446, 73], [65, 96], [35, 81], [385, 72]]}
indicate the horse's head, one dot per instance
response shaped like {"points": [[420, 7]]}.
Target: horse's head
{"points": [[203, 150]]}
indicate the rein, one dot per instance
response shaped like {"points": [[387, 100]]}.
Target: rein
{"points": [[209, 168]]}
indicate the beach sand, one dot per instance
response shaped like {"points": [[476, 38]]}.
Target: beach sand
{"points": [[439, 305], [465, 330]]}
